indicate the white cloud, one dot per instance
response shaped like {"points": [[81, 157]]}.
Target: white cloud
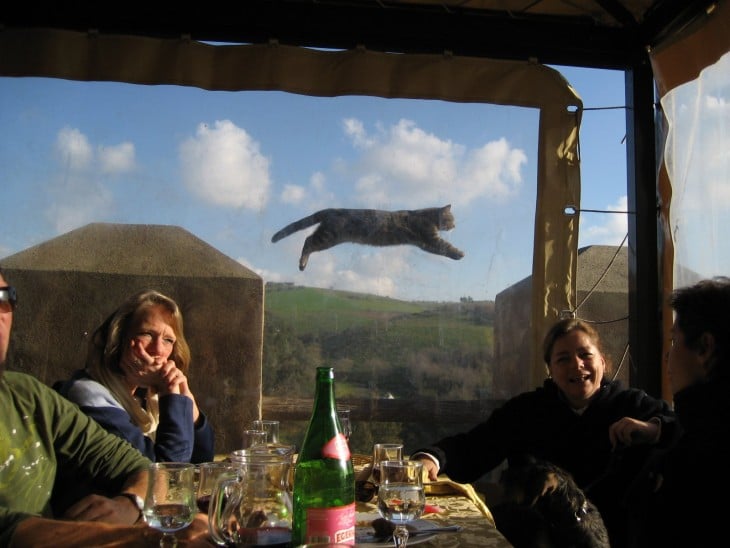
{"points": [[354, 128], [116, 159], [405, 164], [383, 271], [78, 201], [78, 196], [365, 271], [224, 166], [492, 171], [74, 151], [293, 194], [315, 196], [611, 231]]}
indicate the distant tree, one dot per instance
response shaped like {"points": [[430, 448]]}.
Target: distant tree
{"points": [[288, 364]]}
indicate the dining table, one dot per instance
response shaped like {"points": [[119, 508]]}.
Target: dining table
{"points": [[447, 503]]}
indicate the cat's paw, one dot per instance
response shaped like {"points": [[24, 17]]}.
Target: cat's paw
{"points": [[456, 254]]}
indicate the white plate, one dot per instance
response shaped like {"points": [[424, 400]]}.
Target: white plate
{"points": [[364, 529]]}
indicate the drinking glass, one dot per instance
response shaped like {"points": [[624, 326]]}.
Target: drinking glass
{"points": [[169, 505], [270, 427], [381, 452], [208, 475], [401, 498], [253, 437], [344, 415]]}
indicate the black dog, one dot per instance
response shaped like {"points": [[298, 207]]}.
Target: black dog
{"points": [[543, 507]]}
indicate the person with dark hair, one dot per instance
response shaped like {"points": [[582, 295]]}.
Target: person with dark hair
{"points": [[598, 431], [135, 382], [42, 433], [682, 499]]}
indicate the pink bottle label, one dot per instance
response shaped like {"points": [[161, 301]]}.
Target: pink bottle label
{"points": [[337, 448], [335, 524]]}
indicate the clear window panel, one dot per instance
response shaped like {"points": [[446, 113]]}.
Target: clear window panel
{"points": [[410, 333]]}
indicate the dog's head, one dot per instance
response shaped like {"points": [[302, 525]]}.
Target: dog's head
{"points": [[527, 480], [549, 490]]}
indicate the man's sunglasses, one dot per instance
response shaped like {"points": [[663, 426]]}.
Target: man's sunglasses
{"points": [[365, 491], [8, 298]]}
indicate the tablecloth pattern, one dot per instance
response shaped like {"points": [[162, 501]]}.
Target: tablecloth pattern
{"points": [[459, 504]]}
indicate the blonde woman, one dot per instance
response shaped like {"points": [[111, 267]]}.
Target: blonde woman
{"points": [[135, 381]]}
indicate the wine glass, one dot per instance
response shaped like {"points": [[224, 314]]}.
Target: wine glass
{"points": [[170, 502], [344, 416], [208, 475], [401, 497]]}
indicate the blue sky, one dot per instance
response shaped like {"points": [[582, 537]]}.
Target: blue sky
{"points": [[233, 168]]}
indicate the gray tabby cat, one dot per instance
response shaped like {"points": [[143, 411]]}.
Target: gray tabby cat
{"points": [[419, 227]]}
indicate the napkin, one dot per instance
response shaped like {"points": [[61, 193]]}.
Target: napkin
{"points": [[445, 486]]}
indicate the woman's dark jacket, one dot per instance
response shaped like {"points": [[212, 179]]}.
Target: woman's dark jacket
{"points": [[176, 439]]}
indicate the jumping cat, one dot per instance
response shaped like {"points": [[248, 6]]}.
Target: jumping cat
{"points": [[419, 227]]}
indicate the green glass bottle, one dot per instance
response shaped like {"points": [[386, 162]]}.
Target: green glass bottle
{"points": [[324, 479]]}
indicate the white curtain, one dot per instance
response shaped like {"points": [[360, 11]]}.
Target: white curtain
{"points": [[697, 156], [692, 73]]}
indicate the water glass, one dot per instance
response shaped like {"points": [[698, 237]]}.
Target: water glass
{"points": [[169, 505], [401, 498], [381, 452], [270, 427], [253, 438]]}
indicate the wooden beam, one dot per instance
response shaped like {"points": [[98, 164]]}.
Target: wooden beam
{"points": [[385, 410]]}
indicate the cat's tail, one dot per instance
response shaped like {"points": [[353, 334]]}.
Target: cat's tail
{"points": [[302, 223]]}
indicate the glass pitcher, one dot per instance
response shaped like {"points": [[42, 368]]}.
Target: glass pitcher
{"points": [[252, 505]]}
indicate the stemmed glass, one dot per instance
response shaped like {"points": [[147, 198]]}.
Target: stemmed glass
{"points": [[401, 498], [170, 502], [344, 416]]}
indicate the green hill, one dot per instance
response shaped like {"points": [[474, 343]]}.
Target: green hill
{"points": [[313, 310], [381, 348], [375, 342]]}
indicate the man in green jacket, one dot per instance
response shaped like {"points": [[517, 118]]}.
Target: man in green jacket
{"points": [[42, 433]]}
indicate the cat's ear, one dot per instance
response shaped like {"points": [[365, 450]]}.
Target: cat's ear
{"points": [[447, 207]]}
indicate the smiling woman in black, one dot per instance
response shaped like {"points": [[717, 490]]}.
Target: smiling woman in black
{"points": [[595, 429]]}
